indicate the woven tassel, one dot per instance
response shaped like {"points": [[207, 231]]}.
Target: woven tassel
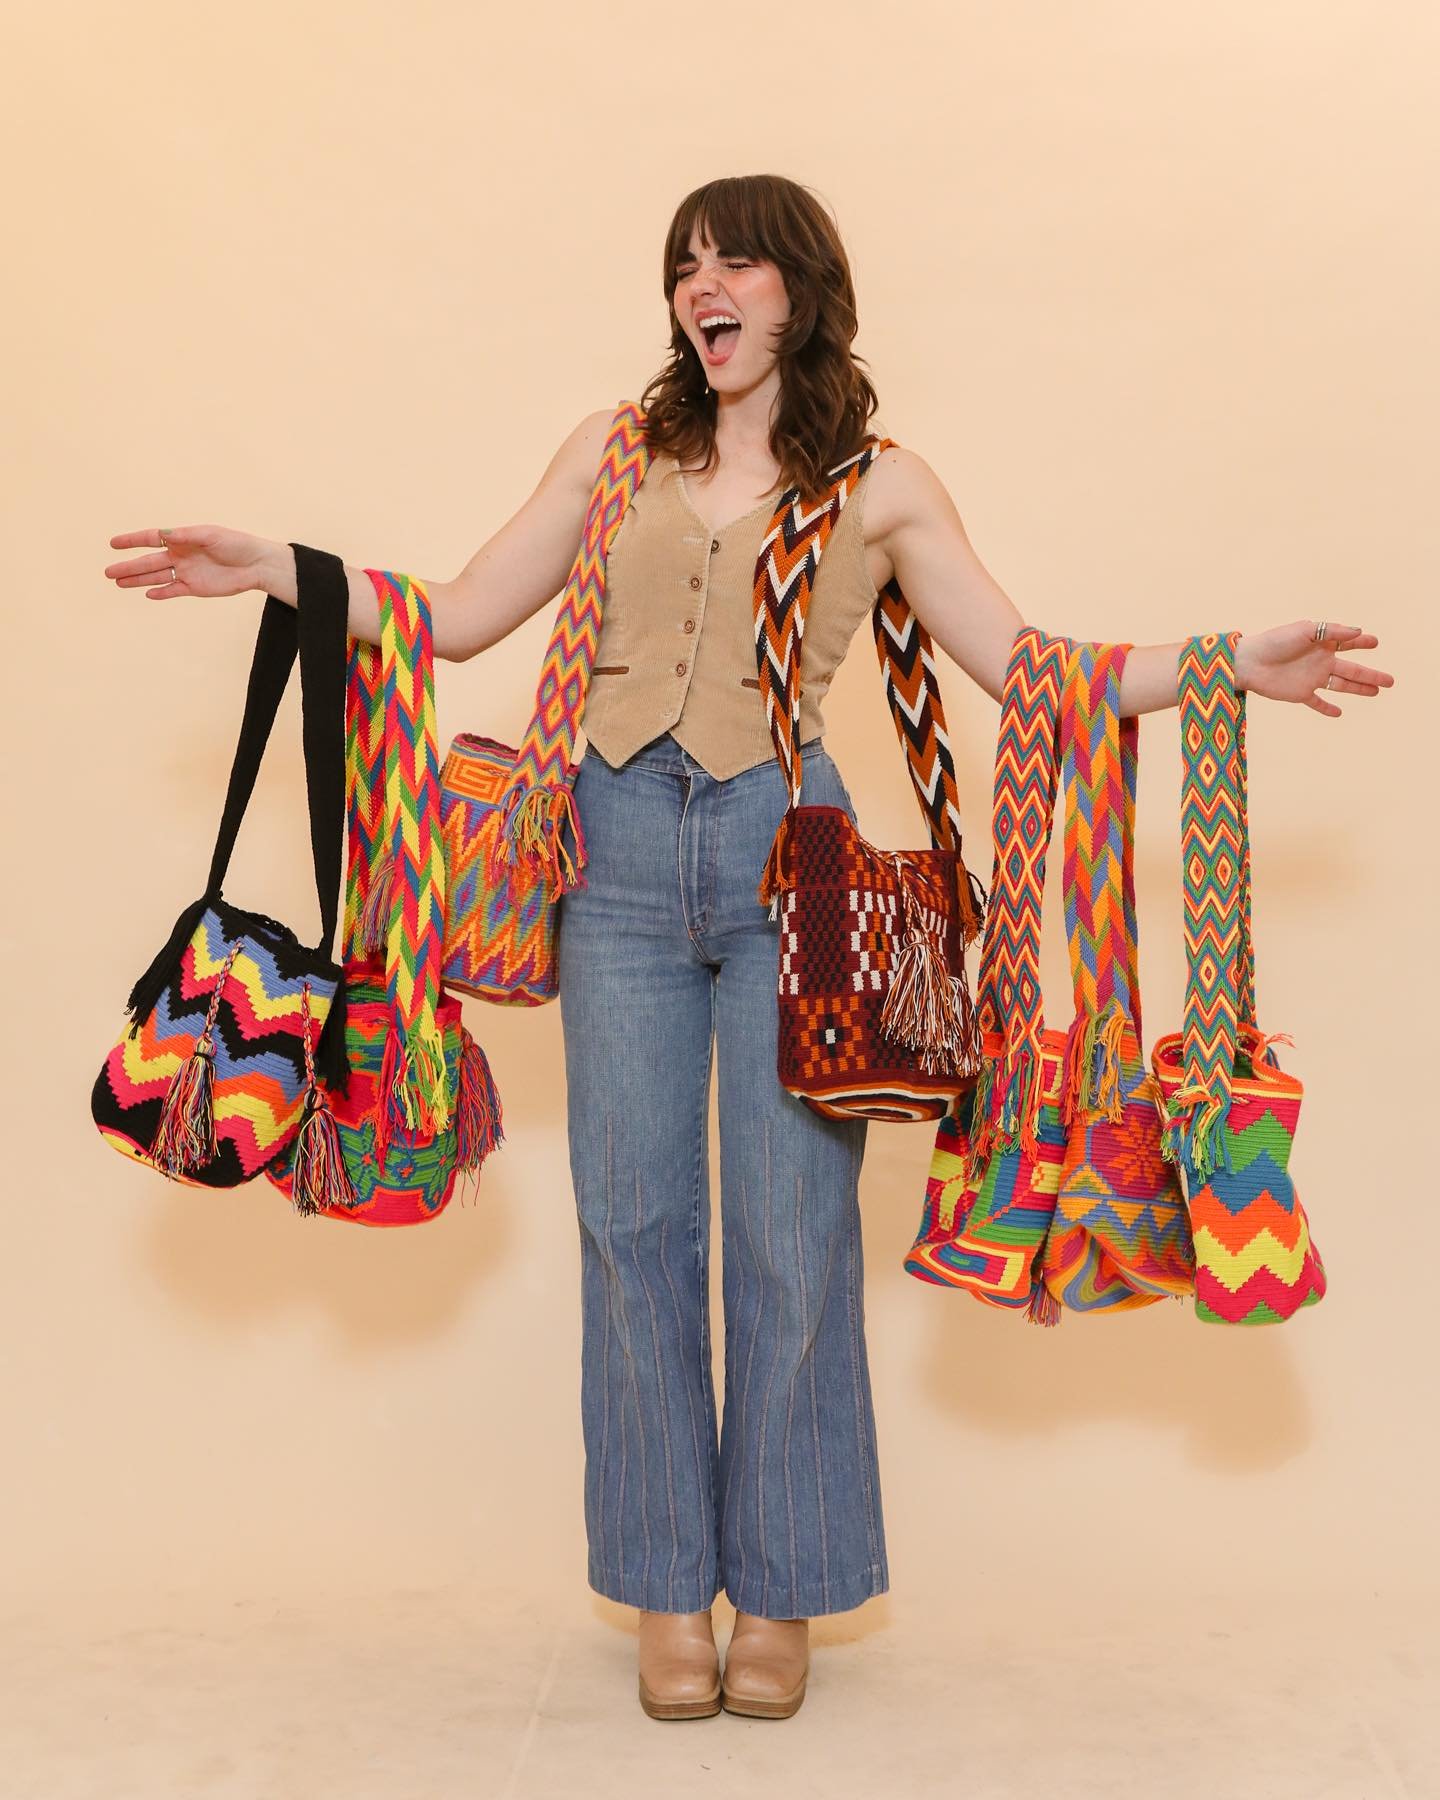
{"points": [[1195, 1134], [921, 1008], [478, 1122], [185, 1136], [779, 870], [1044, 1308], [416, 1093], [532, 830], [185, 1133], [372, 927], [149, 986], [1092, 1085], [319, 1177]]}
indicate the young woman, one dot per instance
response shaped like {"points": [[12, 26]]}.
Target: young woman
{"points": [[666, 955]]}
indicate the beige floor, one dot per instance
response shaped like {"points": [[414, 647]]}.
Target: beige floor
{"points": [[513, 1697]]}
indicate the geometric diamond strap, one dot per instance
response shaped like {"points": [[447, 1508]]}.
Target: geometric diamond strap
{"points": [[1215, 857]]}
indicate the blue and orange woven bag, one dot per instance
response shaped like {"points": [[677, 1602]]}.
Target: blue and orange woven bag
{"points": [[235, 1016]]}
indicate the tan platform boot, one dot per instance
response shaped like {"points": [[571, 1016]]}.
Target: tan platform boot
{"points": [[679, 1665], [766, 1667]]}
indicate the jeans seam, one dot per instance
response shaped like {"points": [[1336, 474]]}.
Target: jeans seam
{"points": [[661, 1387], [866, 1450], [702, 1295]]}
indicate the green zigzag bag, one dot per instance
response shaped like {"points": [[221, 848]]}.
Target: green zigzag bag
{"points": [[1231, 1110]]}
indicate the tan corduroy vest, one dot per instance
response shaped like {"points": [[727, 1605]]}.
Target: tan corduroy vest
{"points": [[677, 636]]}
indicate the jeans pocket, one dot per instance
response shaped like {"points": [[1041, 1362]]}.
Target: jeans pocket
{"points": [[822, 763]]}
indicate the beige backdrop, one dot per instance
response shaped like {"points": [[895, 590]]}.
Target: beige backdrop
{"points": [[1153, 289]]}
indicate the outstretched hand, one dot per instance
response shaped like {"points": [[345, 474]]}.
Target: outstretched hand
{"points": [[192, 559], [1288, 662]]}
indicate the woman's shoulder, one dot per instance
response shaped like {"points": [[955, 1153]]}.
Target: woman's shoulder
{"points": [[899, 485]]}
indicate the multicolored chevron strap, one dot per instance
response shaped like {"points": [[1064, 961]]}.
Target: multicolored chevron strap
{"points": [[1214, 846], [1101, 767], [537, 803], [395, 886], [1012, 1018]]}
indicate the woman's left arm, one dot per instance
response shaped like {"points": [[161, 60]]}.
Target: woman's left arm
{"points": [[912, 522]]}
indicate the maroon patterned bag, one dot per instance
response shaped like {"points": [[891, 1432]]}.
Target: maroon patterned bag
{"points": [[876, 1019]]}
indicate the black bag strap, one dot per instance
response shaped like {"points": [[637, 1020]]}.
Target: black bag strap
{"points": [[315, 630]]}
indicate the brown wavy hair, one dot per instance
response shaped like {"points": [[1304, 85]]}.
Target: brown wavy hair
{"points": [[825, 401]]}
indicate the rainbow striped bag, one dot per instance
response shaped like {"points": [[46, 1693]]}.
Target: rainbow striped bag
{"points": [[421, 1106], [875, 1015], [1231, 1111], [505, 811], [234, 1017], [1120, 1235]]}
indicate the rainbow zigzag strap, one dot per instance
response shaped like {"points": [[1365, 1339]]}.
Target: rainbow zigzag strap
{"points": [[395, 878], [1215, 856], [1101, 766], [1012, 1017], [537, 802]]}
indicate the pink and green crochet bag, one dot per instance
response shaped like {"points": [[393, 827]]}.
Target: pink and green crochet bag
{"points": [[505, 811], [1231, 1111]]}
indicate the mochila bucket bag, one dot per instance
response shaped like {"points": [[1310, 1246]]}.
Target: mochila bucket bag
{"points": [[1231, 1110], [235, 1021], [875, 1014]]}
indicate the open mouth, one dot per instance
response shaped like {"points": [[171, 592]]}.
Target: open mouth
{"points": [[720, 342]]}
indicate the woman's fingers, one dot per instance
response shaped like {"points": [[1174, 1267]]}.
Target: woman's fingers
{"points": [[1355, 678]]}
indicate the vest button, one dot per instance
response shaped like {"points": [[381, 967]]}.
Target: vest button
{"points": [[694, 581], [714, 543], [689, 624], [679, 668]]}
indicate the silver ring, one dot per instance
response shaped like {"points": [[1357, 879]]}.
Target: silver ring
{"points": [[1320, 631], [1329, 681], [172, 571]]}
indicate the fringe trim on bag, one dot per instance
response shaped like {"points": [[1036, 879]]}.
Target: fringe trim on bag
{"points": [[1044, 1308], [372, 925], [779, 871], [1093, 1081], [185, 1132], [478, 1121], [532, 830], [318, 1175], [414, 1092], [926, 1007], [1007, 1100], [1196, 1134]]}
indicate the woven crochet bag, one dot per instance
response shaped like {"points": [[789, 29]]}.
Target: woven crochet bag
{"points": [[1120, 1235], [422, 1105], [505, 811], [875, 1015], [234, 1016], [1231, 1110]]}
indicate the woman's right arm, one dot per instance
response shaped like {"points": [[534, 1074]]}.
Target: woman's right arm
{"points": [[510, 577]]}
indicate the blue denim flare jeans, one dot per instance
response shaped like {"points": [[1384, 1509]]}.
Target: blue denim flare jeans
{"points": [[667, 960]]}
